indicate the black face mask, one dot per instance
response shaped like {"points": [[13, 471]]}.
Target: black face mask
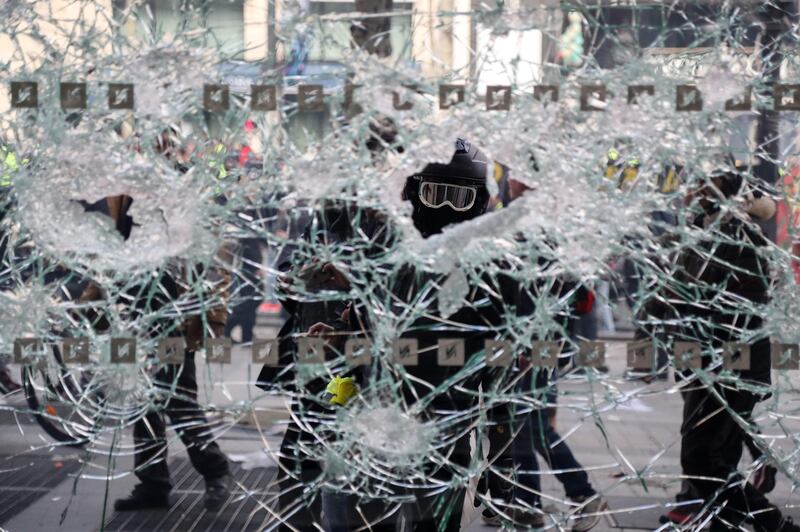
{"points": [[464, 180], [432, 221]]}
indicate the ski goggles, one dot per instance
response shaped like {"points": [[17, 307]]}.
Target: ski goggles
{"points": [[437, 195]]}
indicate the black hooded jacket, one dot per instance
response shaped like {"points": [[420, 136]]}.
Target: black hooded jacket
{"points": [[357, 233], [722, 281]]}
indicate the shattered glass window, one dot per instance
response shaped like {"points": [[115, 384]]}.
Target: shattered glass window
{"points": [[399, 265]]}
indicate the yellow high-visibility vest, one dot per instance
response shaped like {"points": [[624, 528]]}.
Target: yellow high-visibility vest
{"points": [[10, 166], [218, 161], [627, 173], [671, 181], [612, 165], [498, 172], [630, 172]]}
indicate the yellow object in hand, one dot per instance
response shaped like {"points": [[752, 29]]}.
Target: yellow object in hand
{"points": [[342, 389]]}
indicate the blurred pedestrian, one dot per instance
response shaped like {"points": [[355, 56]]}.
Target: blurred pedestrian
{"points": [[515, 438], [248, 285]]}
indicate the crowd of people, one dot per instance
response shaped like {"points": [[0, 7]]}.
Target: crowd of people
{"points": [[698, 299], [512, 405]]}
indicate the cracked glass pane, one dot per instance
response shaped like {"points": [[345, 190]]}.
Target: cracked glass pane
{"points": [[399, 265]]}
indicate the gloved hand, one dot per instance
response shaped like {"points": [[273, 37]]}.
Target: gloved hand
{"points": [[341, 389]]}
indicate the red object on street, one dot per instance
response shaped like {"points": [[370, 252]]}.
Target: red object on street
{"points": [[269, 308], [244, 155], [680, 516], [585, 306]]}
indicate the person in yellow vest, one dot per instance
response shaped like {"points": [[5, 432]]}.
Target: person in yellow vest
{"points": [[623, 172], [217, 160], [501, 177], [613, 165], [630, 172], [670, 180]]}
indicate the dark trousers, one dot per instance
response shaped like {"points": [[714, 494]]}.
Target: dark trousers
{"points": [[524, 459], [711, 446], [437, 510], [432, 510], [501, 462], [511, 456], [244, 315], [300, 499], [540, 435], [631, 273], [532, 433], [536, 435], [188, 420], [248, 287]]}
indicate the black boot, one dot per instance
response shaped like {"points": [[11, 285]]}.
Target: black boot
{"points": [[142, 498], [217, 492]]}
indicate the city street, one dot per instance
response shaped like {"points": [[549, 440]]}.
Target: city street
{"points": [[39, 488], [330, 264]]}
